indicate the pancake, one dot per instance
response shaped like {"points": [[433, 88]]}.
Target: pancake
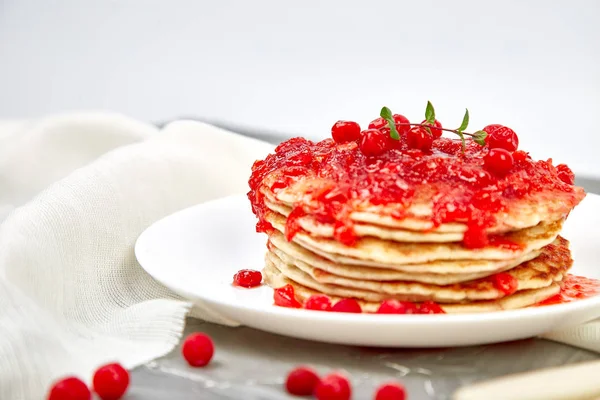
{"points": [[435, 272], [540, 272], [274, 278], [370, 250]]}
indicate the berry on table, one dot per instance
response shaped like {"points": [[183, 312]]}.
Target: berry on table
{"points": [[501, 137], [499, 161], [435, 132], [333, 387], [198, 349], [286, 297], [247, 278], [347, 306], [391, 391], [318, 302], [374, 142], [418, 138], [430, 307], [111, 381], [393, 306], [301, 381], [345, 131], [70, 388]]}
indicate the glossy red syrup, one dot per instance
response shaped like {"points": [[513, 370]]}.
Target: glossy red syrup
{"points": [[574, 288], [247, 278], [462, 189]]}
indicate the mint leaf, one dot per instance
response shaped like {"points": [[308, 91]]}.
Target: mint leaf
{"points": [[463, 142], [386, 114], [479, 137], [465, 121], [430, 113]]}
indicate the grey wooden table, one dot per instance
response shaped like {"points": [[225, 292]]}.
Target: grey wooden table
{"points": [[252, 365]]}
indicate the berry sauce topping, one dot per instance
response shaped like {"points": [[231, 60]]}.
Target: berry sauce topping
{"points": [[574, 288], [505, 283], [111, 382], [391, 391], [198, 349], [247, 278], [302, 381], [285, 297], [430, 307], [318, 302], [333, 387], [395, 163], [397, 307], [70, 388]]}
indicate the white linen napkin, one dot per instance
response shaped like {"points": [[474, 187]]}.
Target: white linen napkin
{"points": [[81, 188], [72, 295]]}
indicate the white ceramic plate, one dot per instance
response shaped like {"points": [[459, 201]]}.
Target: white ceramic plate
{"points": [[196, 252]]}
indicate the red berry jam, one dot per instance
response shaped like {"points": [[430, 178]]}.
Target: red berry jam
{"points": [[70, 388], [418, 138], [345, 131], [435, 132], [430, 307], [318, 302], [469, 188], [374, 142], [247, 278], [505, 283], [198, 349], [333, 387], [498, 161], [391, 391], [347, 306], [301, 381], [285, 297], [397, 307], [565, 174], [574, 288], [111, 382], [501, 137]]}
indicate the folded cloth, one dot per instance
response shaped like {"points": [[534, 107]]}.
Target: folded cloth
{"points": [[83, 187]]}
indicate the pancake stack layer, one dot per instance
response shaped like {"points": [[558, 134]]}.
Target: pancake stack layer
{"points": [[373, 251]]}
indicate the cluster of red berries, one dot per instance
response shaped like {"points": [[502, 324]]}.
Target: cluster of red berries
{"points": [[285, 297], [501, 141], [247, 278], [376, 139], [110, 382], [304, 381]]}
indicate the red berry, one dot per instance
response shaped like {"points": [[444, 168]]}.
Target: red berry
{"points": [[345, 131], [374, 142], [435, 132], [347, 306], [505, 283], [401, 119], [301, 381], [111, 382], [378, 123], [419, 138], [70, 388], [391, 391], [318, 302], [247, 278], [285, 297], [498, 161], [430, 307], [565, 174], [198, 349], [501, 137], [393, 306], [333, 387]]}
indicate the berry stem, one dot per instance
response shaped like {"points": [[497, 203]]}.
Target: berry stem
{"points": [[455, 131]]}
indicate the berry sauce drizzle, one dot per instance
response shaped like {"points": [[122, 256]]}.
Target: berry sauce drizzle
{"points": [[463, 186], [574, 288]]}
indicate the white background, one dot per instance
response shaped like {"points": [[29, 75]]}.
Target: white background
{"points": [[296, 67]]}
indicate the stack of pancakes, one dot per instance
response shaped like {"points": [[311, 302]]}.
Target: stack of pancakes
{"points": [[410, 258]]}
